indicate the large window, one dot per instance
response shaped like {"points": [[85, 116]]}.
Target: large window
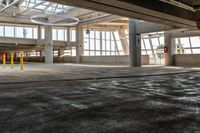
{"points": [[152, 45], [59, 34], [188, 45], [29, 32], [9, 31], [1, 30], [72, 35], [102, 43], [19, 32]]}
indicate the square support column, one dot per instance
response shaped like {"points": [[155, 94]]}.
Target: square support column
{"points": [[134, 45], [61, 53], [171, 48], [48, 45], [42, 54], [79, 43]]}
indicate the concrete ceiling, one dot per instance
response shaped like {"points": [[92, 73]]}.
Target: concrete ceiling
{"points": [[24, 9], [149, 10]]}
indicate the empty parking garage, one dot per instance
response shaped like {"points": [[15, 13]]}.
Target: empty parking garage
{"points": [[93, 66]]}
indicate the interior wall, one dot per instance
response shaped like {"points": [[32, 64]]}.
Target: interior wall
{"points": [[124, 59], [90, 59], [187, 60]]}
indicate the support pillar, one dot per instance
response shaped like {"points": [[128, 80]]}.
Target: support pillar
{"points": [[42, 54], [48, 45], [170, 44], [79, 43], [134, 45], [17, 56], [61, 53]]}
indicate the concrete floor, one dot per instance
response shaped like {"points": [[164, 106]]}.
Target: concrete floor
{"points": [[68, 98]]}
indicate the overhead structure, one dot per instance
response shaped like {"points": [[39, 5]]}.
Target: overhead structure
{"points": [[43, 20], [158, 11]]}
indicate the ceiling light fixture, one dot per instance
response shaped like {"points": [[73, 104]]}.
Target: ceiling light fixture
{"points": [[43, 19]]}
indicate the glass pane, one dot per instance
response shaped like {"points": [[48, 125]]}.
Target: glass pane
{"points": [[19, 32], [9, 31], [28, 32], [185, 42], [61, 34], [196, 51], [42, 33], [54, 34], [195, 41], [35, 35], [73, 35], [1, 30]]}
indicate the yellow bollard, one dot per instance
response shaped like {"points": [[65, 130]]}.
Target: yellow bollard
{"points": [[21, 61], [12, 60], [4, 60]]}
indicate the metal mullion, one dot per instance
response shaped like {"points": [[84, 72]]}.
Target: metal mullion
{"points": [[151, 45], [105, 43], [190, 45], [94, 42], [116, 48], [110, 44], [101, 47], [89, 44], [145, 46], [32, 32]]}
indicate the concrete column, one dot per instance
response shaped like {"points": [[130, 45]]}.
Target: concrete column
{"points": [[48, 45], [170, 44], [134, 45], [79, 43], [42, 53], [61, 52], [27, 55]]}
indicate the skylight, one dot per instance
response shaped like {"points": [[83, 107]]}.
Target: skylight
{"points": [[46, 7]]}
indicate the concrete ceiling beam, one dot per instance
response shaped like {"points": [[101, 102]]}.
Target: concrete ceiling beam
{"points": [[75, 12], [99, 19], [149, 10], [185, 33]]}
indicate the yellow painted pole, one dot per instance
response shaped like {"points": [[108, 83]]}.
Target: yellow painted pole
{"points": [[4, 60], [12, 60], [21, 61]]}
